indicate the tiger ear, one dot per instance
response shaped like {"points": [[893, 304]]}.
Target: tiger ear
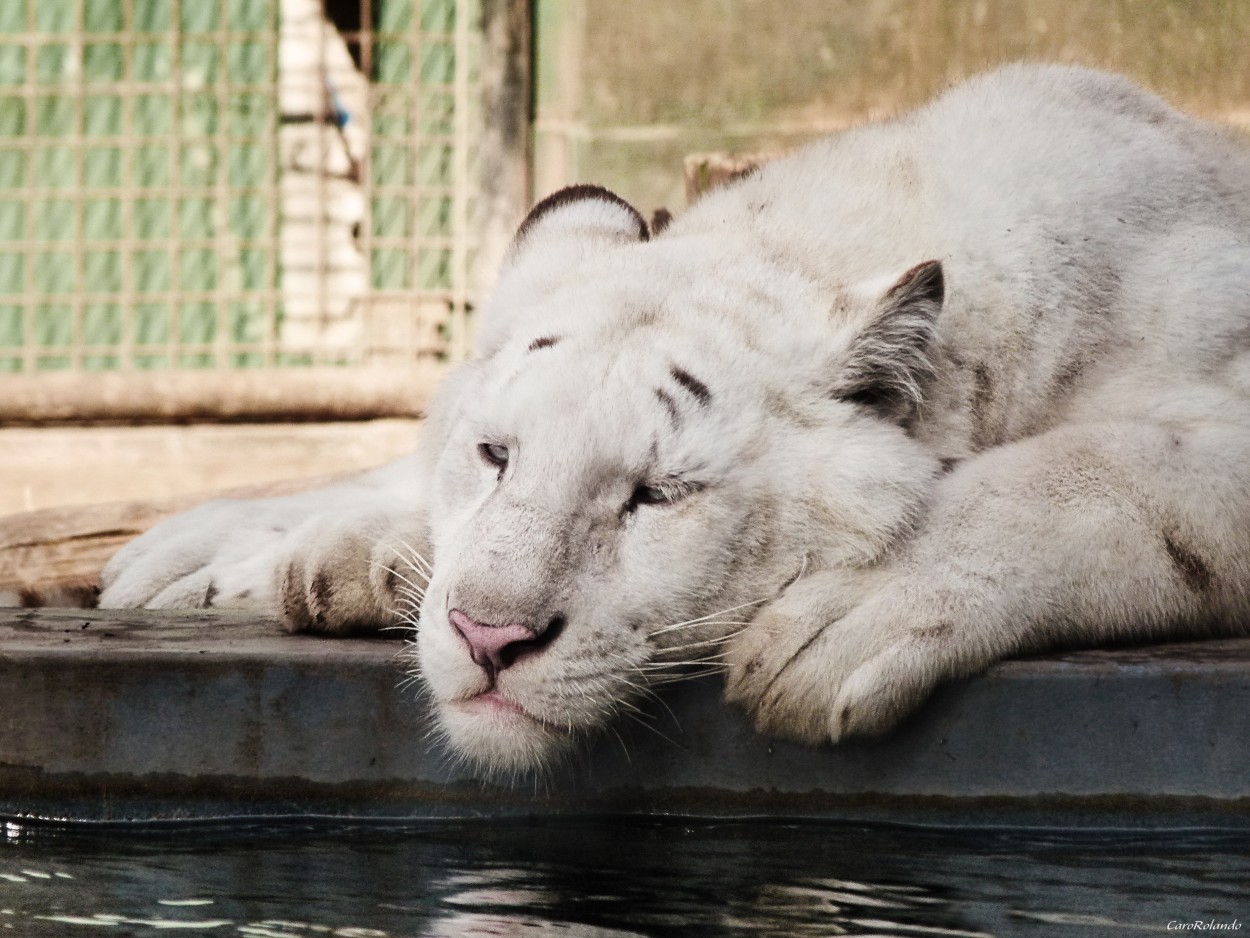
{"points": [[585, 214], [556, 236], [887, 365]]}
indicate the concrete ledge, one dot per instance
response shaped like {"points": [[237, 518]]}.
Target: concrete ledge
{"points": [[160, 715], [250, 395]]}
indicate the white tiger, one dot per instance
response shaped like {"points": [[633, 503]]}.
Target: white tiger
{"points": [[968, 383]]}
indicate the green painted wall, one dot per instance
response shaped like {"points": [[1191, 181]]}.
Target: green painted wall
{"points": [[626, 89], [103, 170], [140, 170]]}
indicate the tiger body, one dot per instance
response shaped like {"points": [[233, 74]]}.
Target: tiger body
{"points": [[932, 392]]}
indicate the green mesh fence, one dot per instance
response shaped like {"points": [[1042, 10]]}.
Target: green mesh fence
{"points": [[142, 195]]}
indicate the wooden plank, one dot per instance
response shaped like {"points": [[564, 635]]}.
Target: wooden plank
{"points": [[57, 465], [59, 552], [238, 395]]}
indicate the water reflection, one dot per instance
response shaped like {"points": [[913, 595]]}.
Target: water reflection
{"points": [[611, 879], [475, 924], [838, 907]]}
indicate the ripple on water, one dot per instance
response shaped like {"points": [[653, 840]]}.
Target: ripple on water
{"points": [[610, 879]]}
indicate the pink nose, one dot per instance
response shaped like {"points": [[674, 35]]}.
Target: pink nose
{"points": [[493, 647]]}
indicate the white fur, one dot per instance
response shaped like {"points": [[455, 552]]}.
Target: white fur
{"points": [[1086, 384]]}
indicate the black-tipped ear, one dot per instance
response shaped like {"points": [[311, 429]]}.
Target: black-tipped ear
{"points": [[560, 232], [661, 218], [585, 211], [888, 364], [923, 283]]}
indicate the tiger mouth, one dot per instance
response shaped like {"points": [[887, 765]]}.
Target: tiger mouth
{"points": [[497, 702], [492, 705], [504, 712]]}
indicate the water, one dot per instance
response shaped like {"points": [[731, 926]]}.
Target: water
{"points": [[610, 878]]}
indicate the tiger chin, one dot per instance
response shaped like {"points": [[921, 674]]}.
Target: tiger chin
{"points": [[920, 396]]}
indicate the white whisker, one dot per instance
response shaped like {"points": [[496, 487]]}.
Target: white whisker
{"points": [[402, 627], [661, 667], [415, 596], [703, 644], [709, 616], [719, 624], [647, 726], [389, 569], [620, 739], [687, 676], [406, 618], [414, 559]]}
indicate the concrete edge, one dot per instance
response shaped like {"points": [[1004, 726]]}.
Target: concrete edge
{"points": [[107, 715]]}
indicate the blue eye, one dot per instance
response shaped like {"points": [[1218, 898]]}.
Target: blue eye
{"points": [[495, 454]]}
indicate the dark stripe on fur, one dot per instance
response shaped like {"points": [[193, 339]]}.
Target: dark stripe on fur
{"points": [[1191, 568], [65, 596], [670, 405], [691, 384]]}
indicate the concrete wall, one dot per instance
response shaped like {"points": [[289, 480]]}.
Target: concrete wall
{"points": [[625, 90], [180, 714]]}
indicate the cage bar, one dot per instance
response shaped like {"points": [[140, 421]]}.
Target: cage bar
{"points": [[148, 217]]}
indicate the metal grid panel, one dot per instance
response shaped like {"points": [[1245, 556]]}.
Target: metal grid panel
{"points": [[225, 183]]}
